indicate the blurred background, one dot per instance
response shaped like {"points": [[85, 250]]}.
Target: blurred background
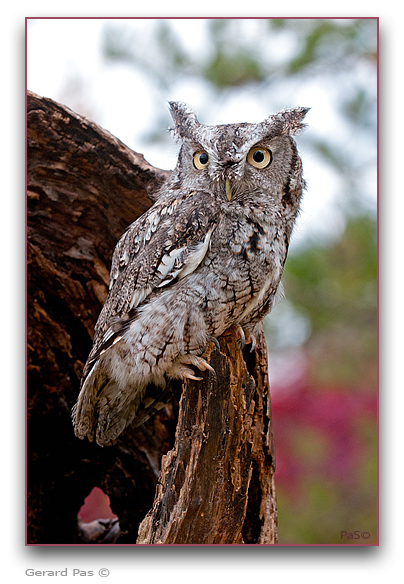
{"points": [[322, 337]]}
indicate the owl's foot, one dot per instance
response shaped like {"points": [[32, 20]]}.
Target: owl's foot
{"points": [[251, 340], [215, 342], [244, 338], [180, 369]]}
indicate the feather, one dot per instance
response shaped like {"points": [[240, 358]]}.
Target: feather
{"points": [[146, 261]]}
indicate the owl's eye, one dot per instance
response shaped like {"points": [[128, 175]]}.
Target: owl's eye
{"points": [[201, 159], [259, 157]]}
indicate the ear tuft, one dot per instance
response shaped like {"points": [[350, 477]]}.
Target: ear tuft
{"points": [[289, 121], [185, 121]]}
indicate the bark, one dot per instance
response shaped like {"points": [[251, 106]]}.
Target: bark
{"points": [[216, 485]]}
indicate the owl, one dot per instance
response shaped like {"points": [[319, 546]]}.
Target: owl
{"points": [[207, 256]]}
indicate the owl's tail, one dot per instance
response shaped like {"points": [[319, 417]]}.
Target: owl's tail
{"points": [[103, 409]]}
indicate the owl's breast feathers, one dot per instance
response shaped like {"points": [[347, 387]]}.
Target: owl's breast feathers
{"points": [[170, 242], [185, 271]]}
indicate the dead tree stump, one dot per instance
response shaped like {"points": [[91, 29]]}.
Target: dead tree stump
{"points": [[216, 485]]}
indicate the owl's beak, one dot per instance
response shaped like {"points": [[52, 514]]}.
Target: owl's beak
{"points": [[228, 190]]}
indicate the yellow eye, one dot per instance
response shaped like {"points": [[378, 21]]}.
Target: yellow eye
{"points": [[259, 157], [201, 159]]}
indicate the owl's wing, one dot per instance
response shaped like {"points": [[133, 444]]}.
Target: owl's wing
{"points": [[163, 246]]}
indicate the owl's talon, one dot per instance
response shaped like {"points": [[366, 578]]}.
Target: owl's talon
{"points": [[200, 363], [238, 332], [215, 342], [185, 373], [190, 376], [181, 370], [251, 340], [243, 338]]}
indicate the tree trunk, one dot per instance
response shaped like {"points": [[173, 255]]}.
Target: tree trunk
{"points": [[216, 485], [216, 481]]}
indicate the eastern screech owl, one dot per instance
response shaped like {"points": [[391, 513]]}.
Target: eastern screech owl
{"points": [[208, 255]]}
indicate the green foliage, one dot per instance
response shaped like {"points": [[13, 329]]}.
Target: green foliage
{"points": [[225, 70], [331, 42], [335, 287], [231, 63]]}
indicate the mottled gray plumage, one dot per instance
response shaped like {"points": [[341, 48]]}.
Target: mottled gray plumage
{"points": [[207, 255]]}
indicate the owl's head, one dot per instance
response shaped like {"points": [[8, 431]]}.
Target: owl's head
{"points": [[238, 161]]}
